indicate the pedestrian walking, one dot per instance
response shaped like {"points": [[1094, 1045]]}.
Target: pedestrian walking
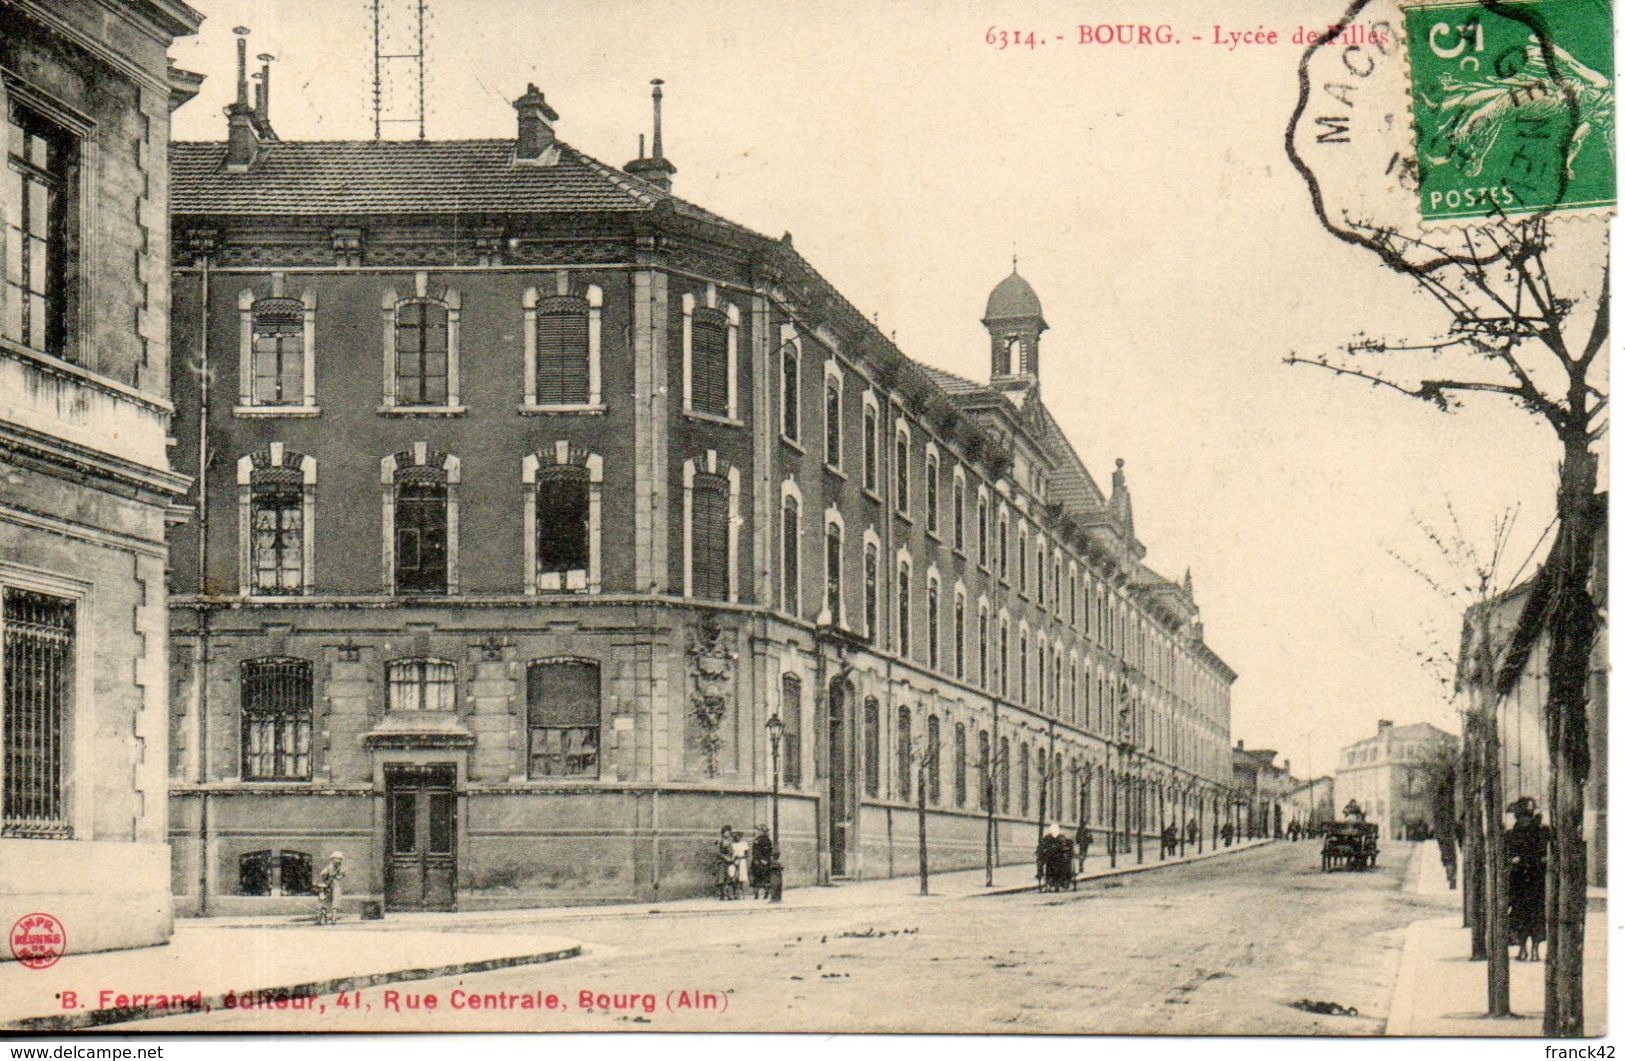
{"points": [[1447, 852], [330, 889], [761, 864], [740, 871], [1081, 845], [722, 860]]}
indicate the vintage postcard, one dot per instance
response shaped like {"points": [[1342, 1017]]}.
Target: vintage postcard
{"points": [[1047, 518]]}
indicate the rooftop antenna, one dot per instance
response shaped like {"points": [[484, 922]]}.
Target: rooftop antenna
{"points": [[397, 43]]}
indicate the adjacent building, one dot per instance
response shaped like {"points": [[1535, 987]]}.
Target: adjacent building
{"points": [[1518, 625], [86, 485], [531, 493], [1310, 802], [1263, 790], [1393, 775]]}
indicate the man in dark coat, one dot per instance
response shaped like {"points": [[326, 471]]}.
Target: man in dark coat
{"points": [[761, 863], [1081, 845]]}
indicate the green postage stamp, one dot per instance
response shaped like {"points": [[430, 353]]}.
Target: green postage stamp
{"points": [[1514, 106]]}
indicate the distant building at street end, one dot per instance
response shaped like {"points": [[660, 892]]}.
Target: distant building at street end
{"points": [[1310, 802], [86, 487], [1263, 789], [1387, 775], [1519, 622]]}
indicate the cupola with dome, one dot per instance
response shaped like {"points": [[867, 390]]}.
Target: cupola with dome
{"points": [[1014, 319]]}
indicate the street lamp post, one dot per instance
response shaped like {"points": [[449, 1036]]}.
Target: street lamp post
{"points": [[775, 734]]}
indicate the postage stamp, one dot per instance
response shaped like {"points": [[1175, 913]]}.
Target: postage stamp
{"points": [[1513, 105]]}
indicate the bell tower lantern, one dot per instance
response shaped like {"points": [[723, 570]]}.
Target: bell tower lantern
{"points": [[1014, 319]]}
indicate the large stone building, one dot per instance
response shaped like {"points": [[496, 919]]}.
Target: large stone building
{"points": [[1392, 776], [534, 492], [1263, 790], [85, 480]]}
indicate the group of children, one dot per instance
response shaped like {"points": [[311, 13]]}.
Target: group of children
{"points": [[739, 861]]}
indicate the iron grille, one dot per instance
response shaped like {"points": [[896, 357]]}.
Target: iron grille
{"points": [[277, 696], [38, 682]]}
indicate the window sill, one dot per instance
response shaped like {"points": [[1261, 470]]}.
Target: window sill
{"points": [[422, 410], [258, 412], [586, 409], [712, 418], [905, 517], [871, 495], [792, 443], [929, 533], [833, 470]]}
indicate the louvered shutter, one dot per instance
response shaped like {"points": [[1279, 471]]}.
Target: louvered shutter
{"points": [[562, 353], [710, 537], [709, 364]]}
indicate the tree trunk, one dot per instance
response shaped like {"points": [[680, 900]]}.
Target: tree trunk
{"points": [[1573, 628], [925, 868], [1498, 979], [1473, 840]]}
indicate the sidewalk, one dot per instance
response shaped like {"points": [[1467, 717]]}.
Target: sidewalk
{"points": [[1439, 991], [209, 966]]}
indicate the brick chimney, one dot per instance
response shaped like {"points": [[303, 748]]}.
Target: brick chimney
{"points": [[537, 143], [657, 168]]}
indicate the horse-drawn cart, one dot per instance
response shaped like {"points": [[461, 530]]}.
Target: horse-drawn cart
{"points": [[1348, 845]]}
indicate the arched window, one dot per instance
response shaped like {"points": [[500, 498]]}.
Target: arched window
{"points": [[834, 602], [422, 370], [901, 469], [982, 529], [790, 551], [1024, 773], [562, 549], [959, 511], [708, 379], [1004, 548], [933, 492], [421, 510], [1041, 573], [422, 685], [905, 755], [790, 715], [983, 635], [871, 589], [984, 771], [871, 446], [710, 536], [832, 420], [933, 624], [903, 624], [1004, 657], [959, 634], [562, 699], [1023, 689], [959, 764], [276, 501], [1002, 768], [790, 392], [278, 356], [563, 353], [871, 746], [933, 755], [1021, 559], [277, 696]]}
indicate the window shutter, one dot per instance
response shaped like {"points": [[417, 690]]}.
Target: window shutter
{"points": [[709, 364], [562, 354], [709, 535]]}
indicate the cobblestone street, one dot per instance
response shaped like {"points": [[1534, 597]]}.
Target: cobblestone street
{"points": [[1218, 947]]}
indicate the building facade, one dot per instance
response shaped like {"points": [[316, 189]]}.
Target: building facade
{"points": [[534, 492], [1521, 637], [1263, 790], [1390, 775], [86, 485], [1310, 802]]}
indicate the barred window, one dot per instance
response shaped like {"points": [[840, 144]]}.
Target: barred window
{"points": [[277, 517], [709, 363], [871, 746], [709, 536], [790, 715], [276, 699], [36, 705], [563, 539], [278, 352], [563, 374], [420, 529], [422, 685], [41, 172], [562, 704], [420, 353]]}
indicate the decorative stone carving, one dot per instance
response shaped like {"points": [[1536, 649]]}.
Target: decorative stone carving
{"points": [[711, 670]]}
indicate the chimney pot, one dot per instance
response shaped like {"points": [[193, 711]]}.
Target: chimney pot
{"points": [[536, 120], [655, 169]]}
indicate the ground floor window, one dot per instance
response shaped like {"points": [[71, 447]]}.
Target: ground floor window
{"points": [[274, 873], [36, 703], [562, 697]]}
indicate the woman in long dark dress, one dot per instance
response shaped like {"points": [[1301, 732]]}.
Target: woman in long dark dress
{"points": [[1526, 880]]}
